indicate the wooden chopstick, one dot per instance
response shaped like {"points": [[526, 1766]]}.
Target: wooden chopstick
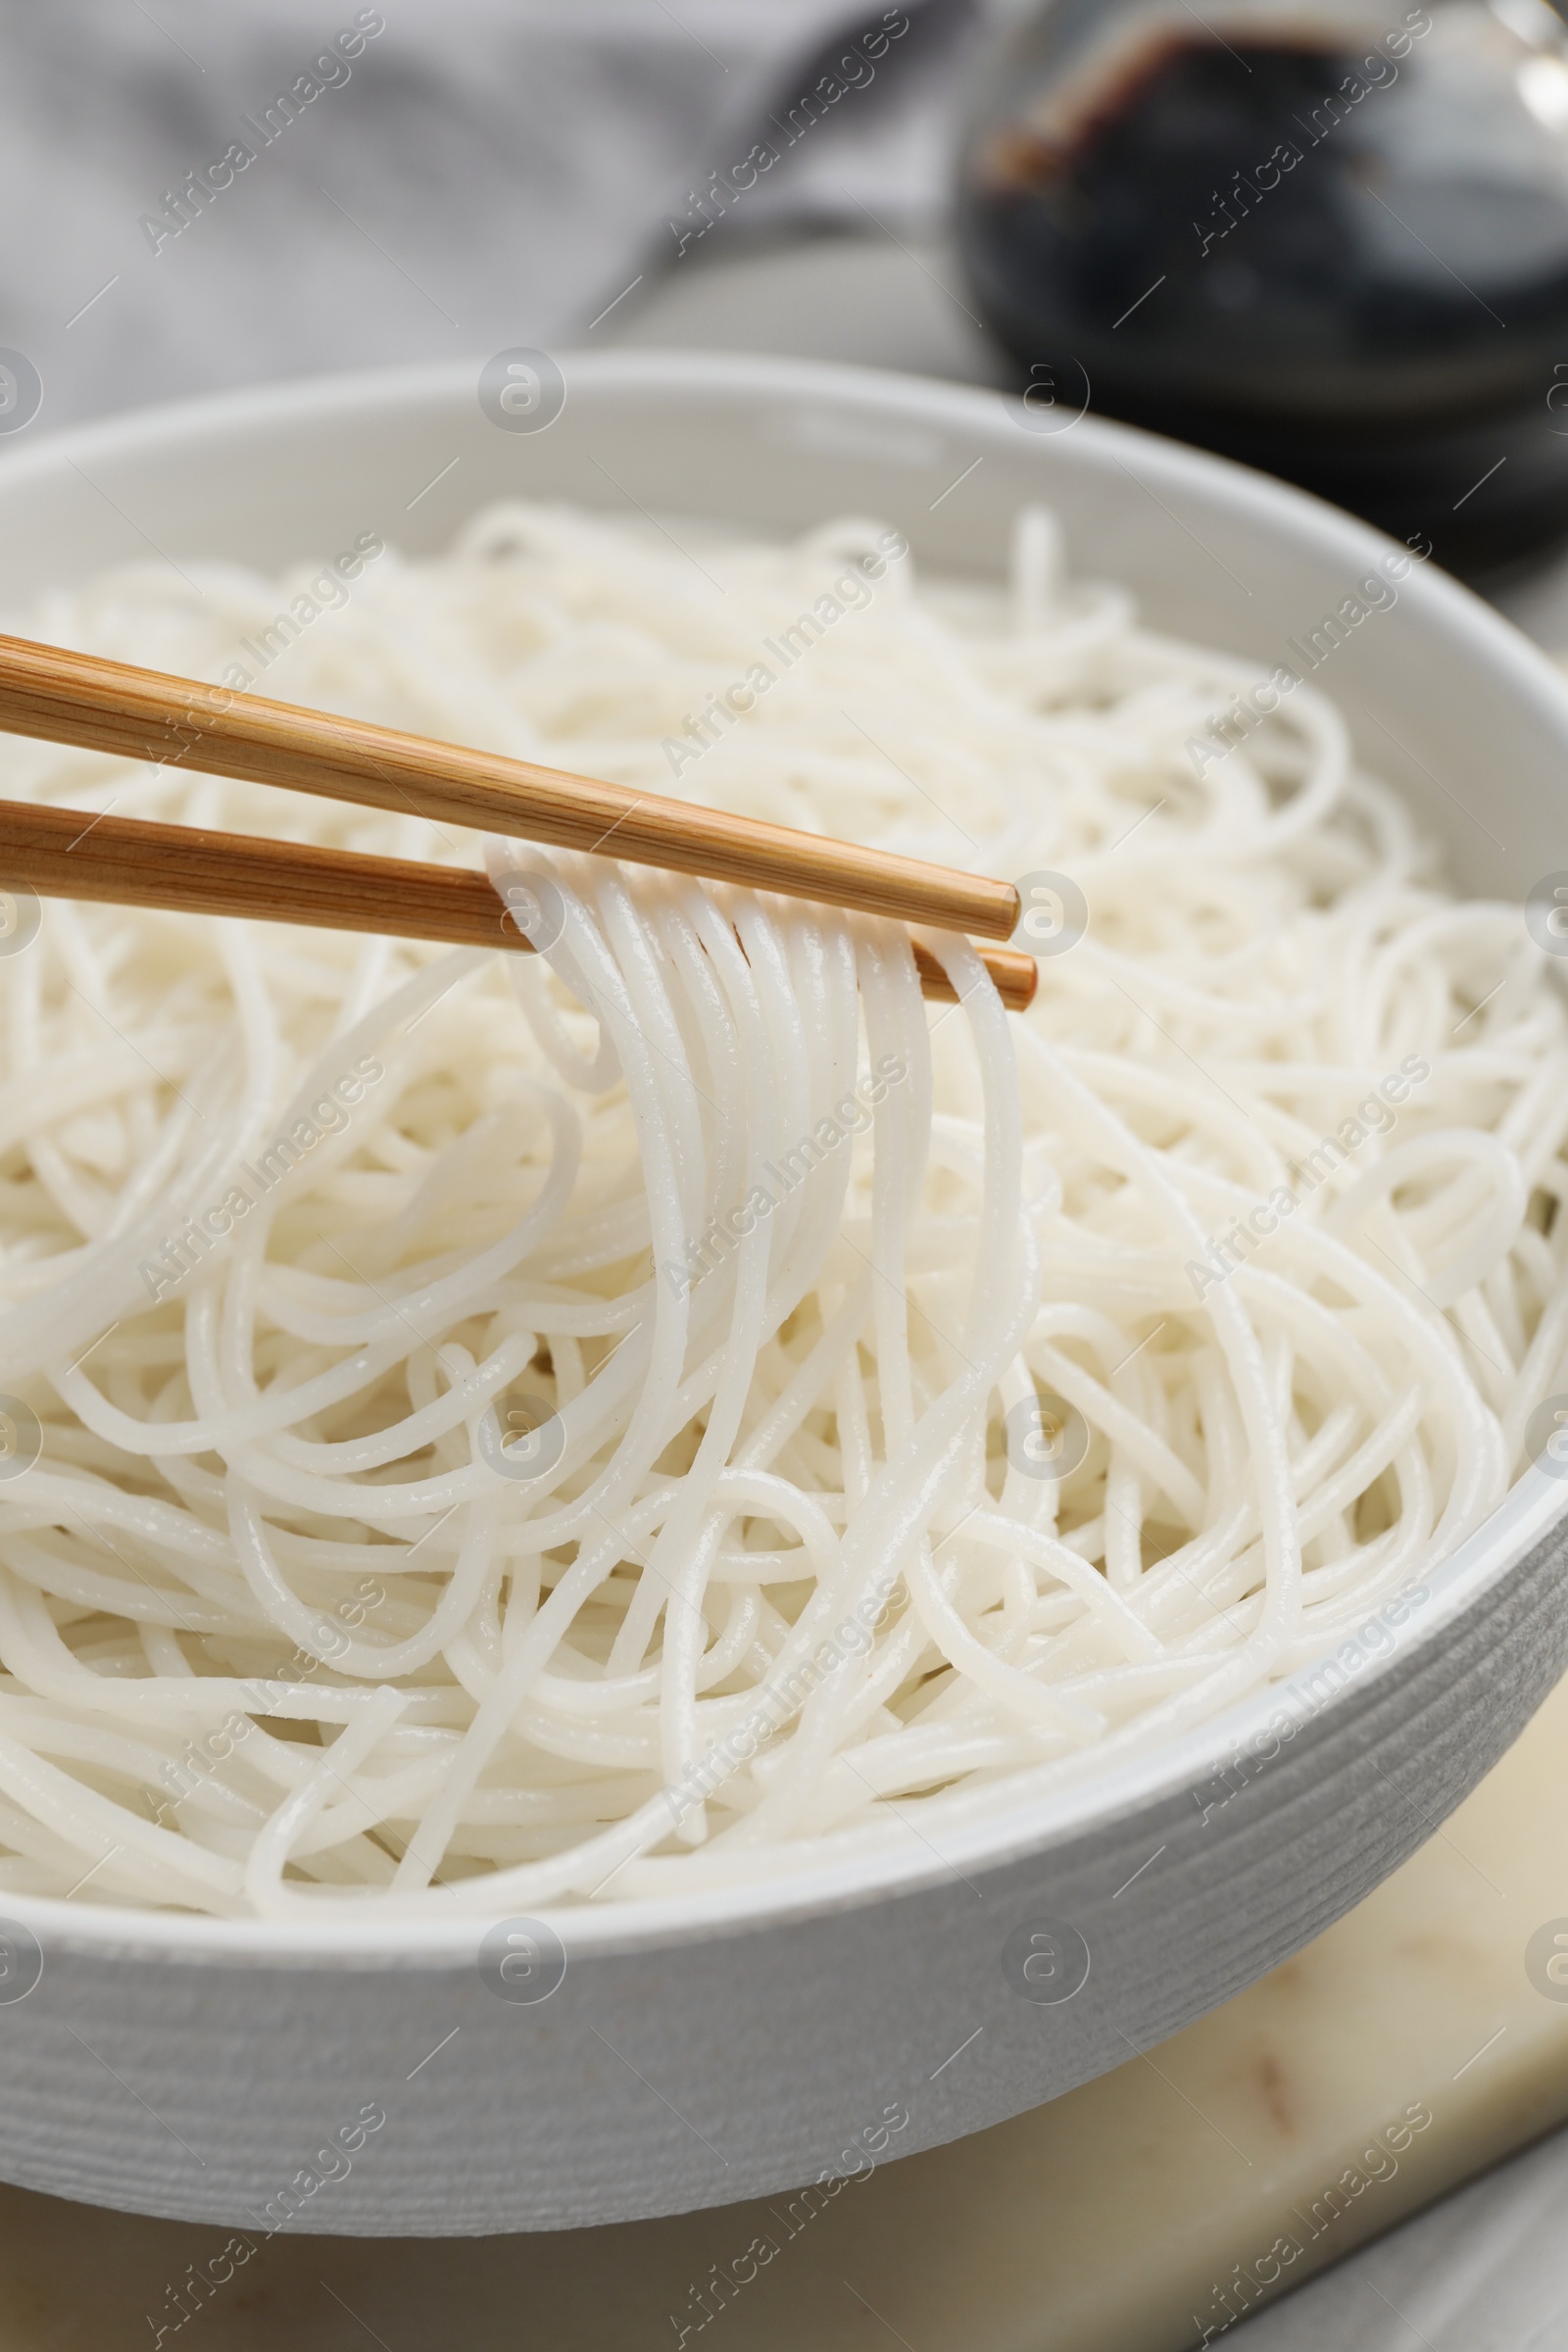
{"points": [[130, 861], [143, 715]]}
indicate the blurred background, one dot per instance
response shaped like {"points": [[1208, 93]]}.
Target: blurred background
{"points": [[476, 173], [1329, 238]]}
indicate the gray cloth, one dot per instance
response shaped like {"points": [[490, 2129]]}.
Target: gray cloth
{"points": [[477, 174], [1485, 2270]]}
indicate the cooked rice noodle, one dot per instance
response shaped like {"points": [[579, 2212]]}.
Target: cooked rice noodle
{"points": [[774, 1260]]}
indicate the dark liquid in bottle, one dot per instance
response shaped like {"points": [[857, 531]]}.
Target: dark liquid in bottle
{"points": [[1273, 250]]}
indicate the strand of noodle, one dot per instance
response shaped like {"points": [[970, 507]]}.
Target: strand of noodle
{"points": [[264, 1869]]}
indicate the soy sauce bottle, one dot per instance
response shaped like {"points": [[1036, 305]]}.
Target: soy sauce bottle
{"points": [[1328, 239]]}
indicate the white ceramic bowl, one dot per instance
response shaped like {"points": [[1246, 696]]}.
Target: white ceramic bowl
{"points": [[710, 2049]]}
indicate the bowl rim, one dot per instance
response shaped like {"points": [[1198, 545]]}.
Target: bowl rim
{"points": [[1024, 1826]]}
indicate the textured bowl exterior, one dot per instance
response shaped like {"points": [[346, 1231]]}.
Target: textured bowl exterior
{"points": [[701, 2051]]}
